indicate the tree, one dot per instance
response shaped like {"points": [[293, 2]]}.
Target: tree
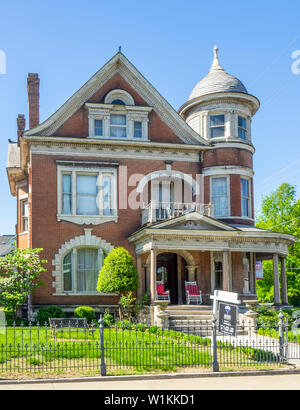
{"points": [[118, 274], [281, 213], [19, 276]]}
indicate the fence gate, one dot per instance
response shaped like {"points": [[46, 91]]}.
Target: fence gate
{"points": [[292, 337]]}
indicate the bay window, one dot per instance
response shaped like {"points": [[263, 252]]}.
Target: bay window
{"points": [[87, 194], [220, 196]]}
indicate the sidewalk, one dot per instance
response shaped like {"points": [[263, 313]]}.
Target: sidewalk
{"points": [[269, 382]]}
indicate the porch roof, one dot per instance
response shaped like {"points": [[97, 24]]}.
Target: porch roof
{"points": [[194, 231]]}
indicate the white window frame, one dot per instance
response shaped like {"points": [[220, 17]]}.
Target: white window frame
{"points": [[242, 128], [210, 127], [87, 170], [249, 198], [133, 114], [227, 177], [24, 217]]}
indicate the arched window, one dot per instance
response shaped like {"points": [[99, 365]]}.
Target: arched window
{"points": [[81, 268], [118, 102]]}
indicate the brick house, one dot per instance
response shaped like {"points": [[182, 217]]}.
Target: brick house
{"points": [[116, 165]]}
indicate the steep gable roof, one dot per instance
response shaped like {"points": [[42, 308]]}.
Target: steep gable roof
{"points": [[119, 64]]}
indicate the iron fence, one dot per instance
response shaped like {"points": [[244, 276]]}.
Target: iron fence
{"points": [[125, 347]]}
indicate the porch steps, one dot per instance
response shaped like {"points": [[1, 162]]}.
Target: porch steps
{"points": [[193, 319]]}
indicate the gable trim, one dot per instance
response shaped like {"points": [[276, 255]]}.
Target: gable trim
{"points": [[120, 64]]}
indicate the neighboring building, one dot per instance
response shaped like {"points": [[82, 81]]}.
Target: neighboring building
{"points": [[117, 166], [7, 244]]}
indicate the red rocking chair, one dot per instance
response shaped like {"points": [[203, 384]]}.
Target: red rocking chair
{"points": [[161, 293], [193, 294]]}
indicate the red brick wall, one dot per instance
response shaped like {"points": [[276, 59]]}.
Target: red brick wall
{"points": [[77, 124], [227, 156], [50, 234]]}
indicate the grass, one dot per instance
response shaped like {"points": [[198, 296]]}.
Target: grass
{"points": [[36, 350]]}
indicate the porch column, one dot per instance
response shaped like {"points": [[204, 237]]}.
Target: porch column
{"points": [[153, 275], [191, 273], [179, 279], [141, 285], [147, 281], [226, 275], [276, 279], [283, 283]]}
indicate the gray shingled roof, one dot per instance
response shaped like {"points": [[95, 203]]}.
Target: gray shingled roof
{"points": [[6, 244], [216, 81]]}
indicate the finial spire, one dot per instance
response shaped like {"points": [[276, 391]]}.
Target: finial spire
{"points": [[120, 48], [216, 64]]}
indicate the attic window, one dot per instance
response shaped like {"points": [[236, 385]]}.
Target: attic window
{"points": [[118, 102], [119, 97]]}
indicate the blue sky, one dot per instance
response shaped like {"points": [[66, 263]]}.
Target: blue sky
{"points": [[171, 43]]}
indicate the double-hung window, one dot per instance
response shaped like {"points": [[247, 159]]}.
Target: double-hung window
{"points": [[118, 126], [24, 215], [219, 196], [137, 129], [98, 128], [242, 128], [217, 126], [245, 197], [86, 194]]}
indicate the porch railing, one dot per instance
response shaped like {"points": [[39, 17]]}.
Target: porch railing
{"points": [[159, 211]]}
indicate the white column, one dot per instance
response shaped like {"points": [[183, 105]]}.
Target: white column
{"points": [[191, 273], [226, 273], [141, 285], [179, 279], [283, 283], [276, 279], [153, 275]]}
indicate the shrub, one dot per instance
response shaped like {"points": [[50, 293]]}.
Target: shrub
{"points": [[108, 319], [49, 312], [85, 312], [118, 274]]}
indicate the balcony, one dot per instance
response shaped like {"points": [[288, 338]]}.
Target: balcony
{"points": [[157, 211]]}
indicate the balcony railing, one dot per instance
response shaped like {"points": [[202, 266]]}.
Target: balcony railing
{"points": [[157, 211]]}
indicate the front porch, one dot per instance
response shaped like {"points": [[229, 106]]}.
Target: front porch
{"points": [[196, 247]]}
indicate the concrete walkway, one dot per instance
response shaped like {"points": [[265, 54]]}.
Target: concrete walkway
{"points": [[268, 382]]}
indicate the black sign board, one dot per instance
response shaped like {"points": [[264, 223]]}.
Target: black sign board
{"points": [[227, 319]]}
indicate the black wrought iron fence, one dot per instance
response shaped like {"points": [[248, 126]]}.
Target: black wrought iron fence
{"points": [[125, 347]]}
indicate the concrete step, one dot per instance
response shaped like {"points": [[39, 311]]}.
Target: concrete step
{"points": [[195, 317], [189, 307]]}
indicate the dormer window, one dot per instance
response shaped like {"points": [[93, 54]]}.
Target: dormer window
{"points": [[242, 128], [118, 126], [217, 126], [118, 118]]}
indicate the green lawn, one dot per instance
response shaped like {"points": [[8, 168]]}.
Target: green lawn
{"points": [[38, 350]]}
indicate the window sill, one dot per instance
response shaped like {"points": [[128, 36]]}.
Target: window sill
{"points": [[23, 233], [88, 219], [119, 139]]}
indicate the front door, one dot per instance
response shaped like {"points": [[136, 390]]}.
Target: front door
{"points": [[167, 273]]}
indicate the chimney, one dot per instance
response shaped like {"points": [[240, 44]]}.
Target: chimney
{"points": [[33, 86], [20, 126]]}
